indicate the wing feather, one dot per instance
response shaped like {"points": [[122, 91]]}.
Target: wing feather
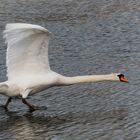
{"points": [[27, 49]]}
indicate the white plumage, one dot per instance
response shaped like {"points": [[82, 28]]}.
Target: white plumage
{"points": [[28, 68], [27, 50]]}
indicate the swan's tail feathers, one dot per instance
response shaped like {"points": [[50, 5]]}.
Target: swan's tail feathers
{"points": [[3, 88]]}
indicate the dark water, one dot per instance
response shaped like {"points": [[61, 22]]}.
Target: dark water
{"points": [[90, 37]]}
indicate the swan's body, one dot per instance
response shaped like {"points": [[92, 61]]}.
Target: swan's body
{"points": [[28, 68]]}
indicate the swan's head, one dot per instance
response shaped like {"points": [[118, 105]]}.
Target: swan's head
{"points": [[119, 77], [122, 78]]}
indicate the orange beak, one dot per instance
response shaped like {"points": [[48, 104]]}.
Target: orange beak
{"points": [[123, 78]]}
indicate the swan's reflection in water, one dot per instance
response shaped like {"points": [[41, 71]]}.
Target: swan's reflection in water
{"points": [[66, 126]]}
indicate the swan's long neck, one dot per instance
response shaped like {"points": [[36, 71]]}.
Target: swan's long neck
{"points": [[89, 78]]}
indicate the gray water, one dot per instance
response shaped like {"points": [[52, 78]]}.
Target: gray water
{"points": [[90, 37]]}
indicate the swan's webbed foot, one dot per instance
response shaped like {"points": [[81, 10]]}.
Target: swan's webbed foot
{"points": [[33, 108], [7, 103]]}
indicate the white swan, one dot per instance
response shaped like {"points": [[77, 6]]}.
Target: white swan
{"points": [[28, 68]]}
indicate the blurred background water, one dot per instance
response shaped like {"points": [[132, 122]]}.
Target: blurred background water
{"points": [[90, 37]]}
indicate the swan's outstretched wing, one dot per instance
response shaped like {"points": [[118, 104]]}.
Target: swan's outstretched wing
{"points": [[27, 49]]}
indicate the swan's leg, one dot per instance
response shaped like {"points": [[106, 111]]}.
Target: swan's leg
{"points": [[7, 103], [32, 107]]}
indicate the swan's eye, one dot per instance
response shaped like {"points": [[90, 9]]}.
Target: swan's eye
{"points": [[123, 78]]}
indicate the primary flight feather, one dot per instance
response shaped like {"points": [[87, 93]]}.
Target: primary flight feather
{"points": [[28, 68]]}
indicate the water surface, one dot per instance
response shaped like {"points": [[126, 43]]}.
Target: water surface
{"points": [[90, 37]]}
